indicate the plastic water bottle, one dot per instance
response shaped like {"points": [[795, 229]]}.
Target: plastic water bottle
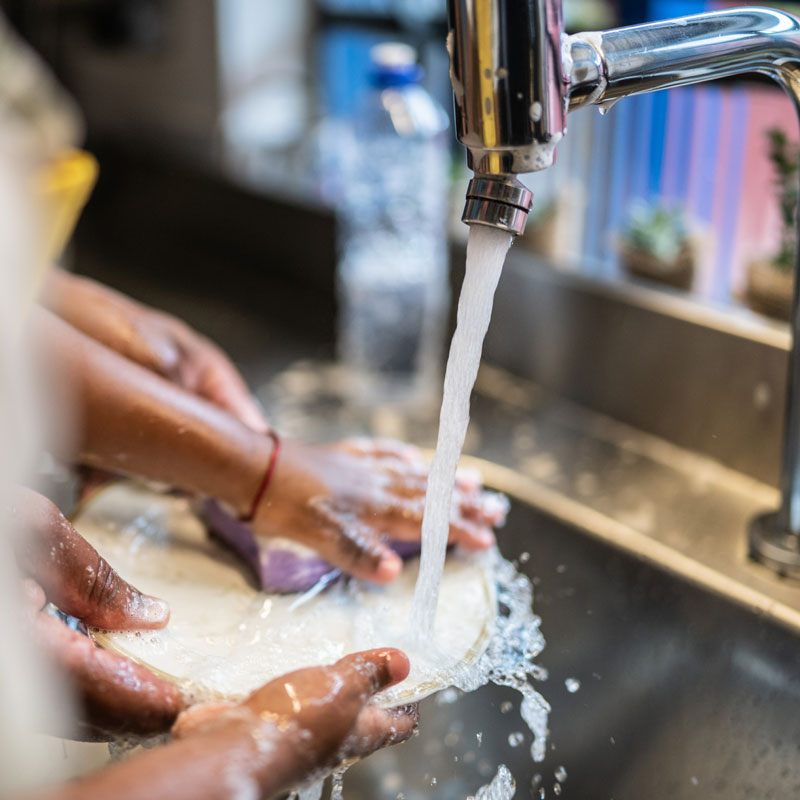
{"points": [[392, 279]]}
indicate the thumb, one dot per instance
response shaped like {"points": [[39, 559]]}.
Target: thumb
{"points": [[73, 574], [371, 671]]}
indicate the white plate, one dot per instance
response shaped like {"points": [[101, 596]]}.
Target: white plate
{"points": [[226, 638]]}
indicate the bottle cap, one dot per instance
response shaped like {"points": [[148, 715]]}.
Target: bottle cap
{"points": [[394, 64]]}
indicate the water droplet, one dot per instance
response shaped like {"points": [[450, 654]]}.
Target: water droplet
{"points": [[536, 781], [524, 558], [612, 740], [479, 737], [604, 108], [560, 774], [515, 739], [556, 789], [433, 781], [572, 684], [542, 794], [694, 781], [506, 706], [561, 569]]}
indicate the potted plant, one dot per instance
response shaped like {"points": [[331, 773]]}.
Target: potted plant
{"points": [[656, 245], [770, 281]]}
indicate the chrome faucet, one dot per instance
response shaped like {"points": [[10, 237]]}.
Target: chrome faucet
{"points": [[516, 75]]}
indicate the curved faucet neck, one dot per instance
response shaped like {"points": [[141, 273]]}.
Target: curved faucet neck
{"points": [[515, 74], [605, 66]]}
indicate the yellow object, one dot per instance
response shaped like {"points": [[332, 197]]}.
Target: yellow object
{"points": [[61, 189]]}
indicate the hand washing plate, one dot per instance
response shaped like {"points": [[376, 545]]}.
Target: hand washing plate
{"points": [[226, 638]]}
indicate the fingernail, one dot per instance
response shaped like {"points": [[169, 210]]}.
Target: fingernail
{"points": [[152, 611], [389, 567], [398, 665]]}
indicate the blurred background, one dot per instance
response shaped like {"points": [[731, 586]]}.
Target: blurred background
{"points": [[183, 97]]}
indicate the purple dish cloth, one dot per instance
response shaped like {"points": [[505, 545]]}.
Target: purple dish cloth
{"points": [[280, 565]]}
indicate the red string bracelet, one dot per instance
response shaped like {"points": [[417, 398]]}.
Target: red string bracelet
{"points": [[262, 489]]}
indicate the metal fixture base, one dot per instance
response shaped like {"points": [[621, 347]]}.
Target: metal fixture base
{"points": [[773, 547]]}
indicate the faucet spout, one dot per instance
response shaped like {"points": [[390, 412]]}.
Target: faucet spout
{"points": [[515, 75], [608, 66], [510, 90]]}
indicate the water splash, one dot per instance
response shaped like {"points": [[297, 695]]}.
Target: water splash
{"points": [[502, 787], [509, 656]]}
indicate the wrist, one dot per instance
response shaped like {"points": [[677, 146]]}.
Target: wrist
{"points": [[266, 478]]}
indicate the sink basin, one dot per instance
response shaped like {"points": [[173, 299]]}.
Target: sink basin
{"points": [[682, 693]]}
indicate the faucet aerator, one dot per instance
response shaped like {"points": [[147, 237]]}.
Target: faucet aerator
{"points": [[497, 201]]}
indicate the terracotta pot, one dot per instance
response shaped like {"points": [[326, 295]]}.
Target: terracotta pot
{"points": [[769, 289], [644, 264]]}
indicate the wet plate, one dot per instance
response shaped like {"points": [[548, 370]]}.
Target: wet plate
{"points": [[226, 637]]}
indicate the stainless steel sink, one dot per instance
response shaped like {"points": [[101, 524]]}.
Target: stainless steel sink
{"points": [[683, 693]]}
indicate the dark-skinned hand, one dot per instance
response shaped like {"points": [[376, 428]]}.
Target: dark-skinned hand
{"points": [[156, 340], [114, 693], [318, 717], [345, 500]]}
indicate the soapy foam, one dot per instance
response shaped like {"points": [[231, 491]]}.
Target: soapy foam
{"points": [[226, 638]]}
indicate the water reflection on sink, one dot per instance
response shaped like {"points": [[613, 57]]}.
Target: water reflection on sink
{"points": [[682, 694]]}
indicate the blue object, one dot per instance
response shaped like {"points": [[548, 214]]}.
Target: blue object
{"points": [[344, 67], [384, 75]]}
